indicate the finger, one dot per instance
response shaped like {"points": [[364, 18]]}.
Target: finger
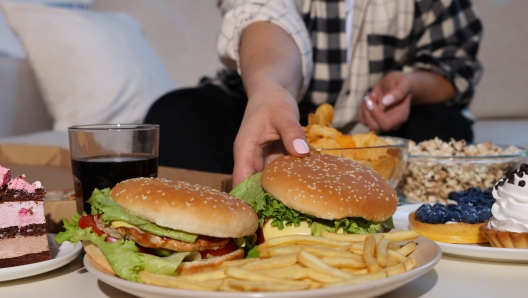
{"points": [[367, 109], [396, 95], [393, 117], [248, 155], [293, 138]]}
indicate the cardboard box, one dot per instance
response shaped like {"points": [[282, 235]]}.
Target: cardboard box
{"points": [[52, 167]]}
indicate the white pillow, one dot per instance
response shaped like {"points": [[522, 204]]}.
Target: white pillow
{"points": [[10, 45], [91, 67]]}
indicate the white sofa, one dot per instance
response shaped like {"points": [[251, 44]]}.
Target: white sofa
{"points": [[183, 36]]}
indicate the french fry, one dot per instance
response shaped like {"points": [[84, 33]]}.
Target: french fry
{"points": [[263, 286], [354, 238], [369, 250], [407, 249], [344, 262], [355, 271], [396, 255], [175, 282], [381, 252], [321, 277], [410, 264], [358, 279], [243, 274], [302, 240], [293, 272], [209, 275], [311, 261], [272, 263], [395, 270], [401, 235]]}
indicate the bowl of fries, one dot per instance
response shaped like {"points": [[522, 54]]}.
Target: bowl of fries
{"points": [[385, 155]]}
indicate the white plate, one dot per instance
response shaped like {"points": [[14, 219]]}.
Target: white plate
{"points": [[60, 256], [427, 255], [471, 251]]}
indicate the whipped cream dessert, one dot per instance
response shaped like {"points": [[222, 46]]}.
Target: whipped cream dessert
{"points": [[510, 211], [23, 235]]}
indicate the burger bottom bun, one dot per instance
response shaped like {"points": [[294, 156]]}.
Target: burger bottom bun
{"points": [[184, 269], [460, 233]]}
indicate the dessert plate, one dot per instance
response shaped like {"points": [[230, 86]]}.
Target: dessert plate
{"points": [[471, 251], [427, 254], [60, 256]]}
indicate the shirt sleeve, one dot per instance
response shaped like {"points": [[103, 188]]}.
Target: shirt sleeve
{"points": [[447, 34], [238, 14]]}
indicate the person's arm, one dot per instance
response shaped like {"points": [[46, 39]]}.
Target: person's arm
{"points": [[268, 55], [271, 69]]}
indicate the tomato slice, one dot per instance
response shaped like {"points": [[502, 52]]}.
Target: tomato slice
{"points": [[88, 220], [230, 247]]}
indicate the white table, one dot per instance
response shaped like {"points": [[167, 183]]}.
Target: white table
{"points": [[451, 277]]}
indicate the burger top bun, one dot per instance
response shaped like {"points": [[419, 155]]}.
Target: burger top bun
{"points": [[329, 187], [186, 207]]}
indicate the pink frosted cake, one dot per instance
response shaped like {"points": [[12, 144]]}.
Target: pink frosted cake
{"points": [[23, 237]]}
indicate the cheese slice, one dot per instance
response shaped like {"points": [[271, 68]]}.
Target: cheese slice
{"points": [[117, 224], [303, 229], [270, 232]]}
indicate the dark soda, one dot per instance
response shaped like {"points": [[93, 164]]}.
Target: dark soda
{"points": [[106, 171]]}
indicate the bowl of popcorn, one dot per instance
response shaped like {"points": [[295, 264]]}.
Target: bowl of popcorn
{"points": [[385, 155], [435, 168]]}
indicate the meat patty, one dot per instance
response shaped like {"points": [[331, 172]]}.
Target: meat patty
{"points": [[153, 241]]}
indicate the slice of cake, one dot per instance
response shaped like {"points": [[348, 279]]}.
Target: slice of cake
{"points": [[23, 236]]}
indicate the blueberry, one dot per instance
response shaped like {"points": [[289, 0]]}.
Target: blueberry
{"points": [[469, 215], [438, 215], [423, 212], [454, 215]]}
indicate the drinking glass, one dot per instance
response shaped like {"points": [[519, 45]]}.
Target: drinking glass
{"points": [[103, 155]]}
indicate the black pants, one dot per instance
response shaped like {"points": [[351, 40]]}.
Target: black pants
{"points": [[198, 127]]}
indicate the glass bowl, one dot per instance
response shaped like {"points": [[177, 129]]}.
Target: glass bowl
{"points": [[389, 160], [429, 178]]}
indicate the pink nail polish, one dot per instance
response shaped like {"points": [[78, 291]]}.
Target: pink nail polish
{"points": [[370, 104], [387, 99], [300, 146]]}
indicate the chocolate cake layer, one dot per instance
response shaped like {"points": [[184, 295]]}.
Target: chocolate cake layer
{"points": [[25, 259], [29, 230], [11, 195]]}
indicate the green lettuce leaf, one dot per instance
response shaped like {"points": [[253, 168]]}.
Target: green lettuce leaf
{"points": [[102, 203], [122, 255], [269, 208]]}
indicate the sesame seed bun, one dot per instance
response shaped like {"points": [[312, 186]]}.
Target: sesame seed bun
{"points": [[186, 207], [329, 187]]}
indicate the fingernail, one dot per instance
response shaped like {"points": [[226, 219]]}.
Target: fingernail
{"points": [[370, 104], [387, 99], [300, 146]]}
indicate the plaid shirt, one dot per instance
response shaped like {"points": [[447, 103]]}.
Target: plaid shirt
{"points": [[406, 35]]}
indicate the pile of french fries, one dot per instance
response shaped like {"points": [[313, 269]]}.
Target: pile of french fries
{"points": [[301, 262]]}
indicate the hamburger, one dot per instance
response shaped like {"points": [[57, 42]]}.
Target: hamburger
{"points": [[318, 193], [162, 226]]}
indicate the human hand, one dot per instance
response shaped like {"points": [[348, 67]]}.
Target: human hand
{"points": [[388, 104], [270, 128]]}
